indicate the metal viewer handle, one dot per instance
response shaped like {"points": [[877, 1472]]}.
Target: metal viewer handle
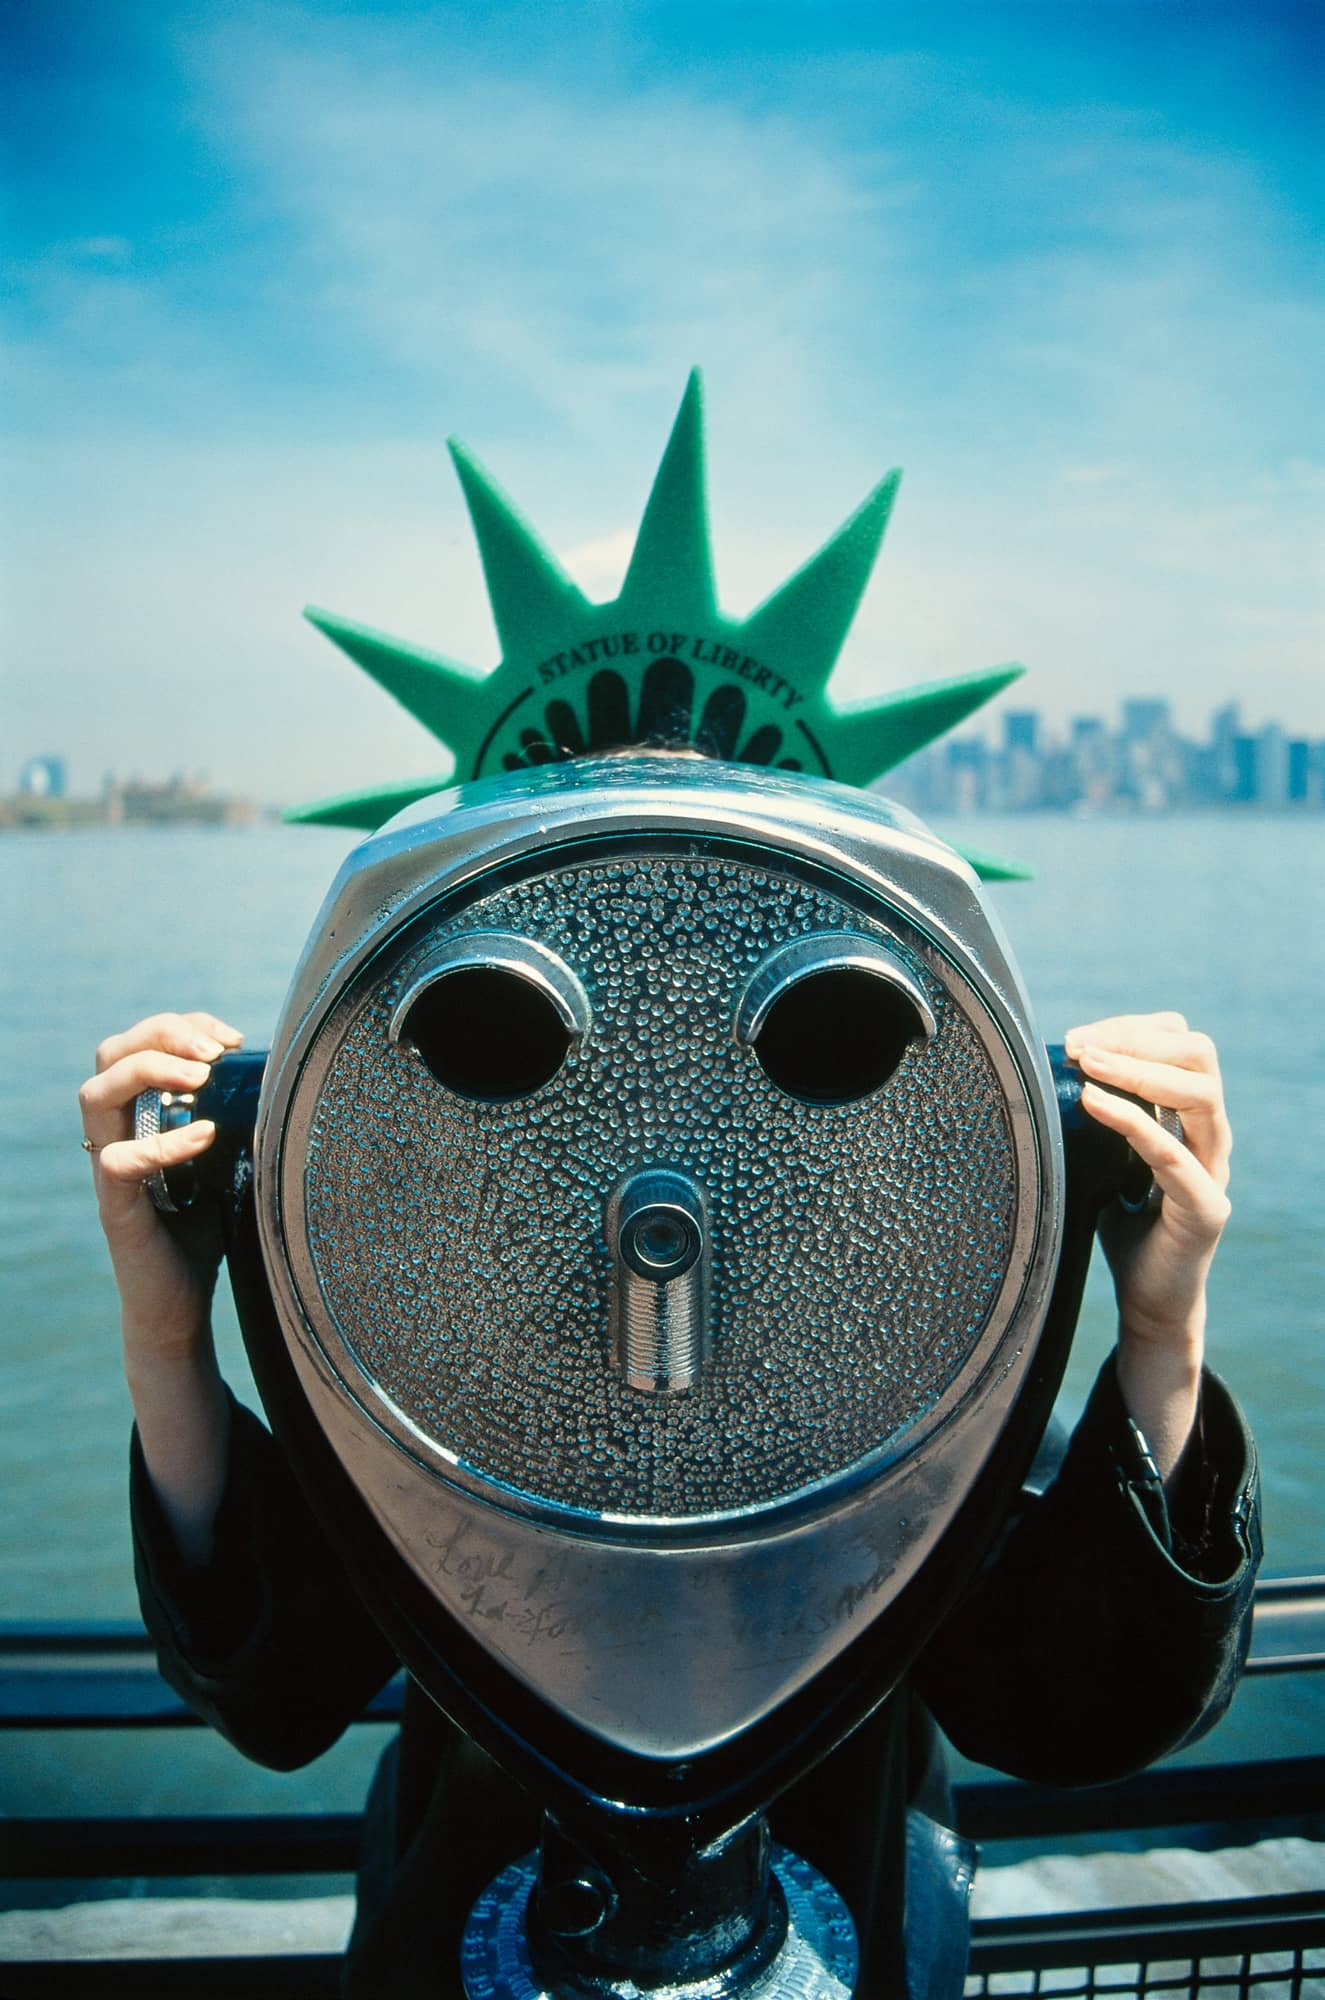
{"points": [[230, 1098], [1122, 1175], [657, 1231]]}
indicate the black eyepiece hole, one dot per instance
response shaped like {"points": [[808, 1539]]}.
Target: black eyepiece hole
{"points": [[488, 1033], [836, 1035]]}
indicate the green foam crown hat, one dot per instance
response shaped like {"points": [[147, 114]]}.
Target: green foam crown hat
{"points": [[660, 666]]}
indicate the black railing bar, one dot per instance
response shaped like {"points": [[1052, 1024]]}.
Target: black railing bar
{"points": [[1149, 1931], [1285, 1610], [65, 1648], [72, 1635], [1283, 1663], [1275, 1789], [1273, 1593], [112, 1848], [291, 1976], [1290, 1606], [327, 1843], [112, 1699], [120, 1697]]}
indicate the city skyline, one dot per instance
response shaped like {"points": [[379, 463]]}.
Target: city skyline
{"points": [[85, 773], [1146, 763]]}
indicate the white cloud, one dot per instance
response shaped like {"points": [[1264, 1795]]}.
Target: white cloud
{"points": [[599, 567], [1092, 475]]}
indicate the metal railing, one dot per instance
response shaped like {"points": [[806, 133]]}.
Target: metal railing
{"points": [[103, 1676]]}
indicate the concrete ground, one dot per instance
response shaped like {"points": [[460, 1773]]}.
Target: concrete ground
{"points": [[194, 1926]]}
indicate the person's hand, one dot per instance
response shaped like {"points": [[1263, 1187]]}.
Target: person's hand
{"points": [[165, 1277], [1160, 1260], [164, 1291]]}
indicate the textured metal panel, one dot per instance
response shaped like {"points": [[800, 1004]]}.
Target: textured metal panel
{"points": [[458, 1251]]}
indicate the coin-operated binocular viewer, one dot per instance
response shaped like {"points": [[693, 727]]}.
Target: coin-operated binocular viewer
{"points": [[662, 1249]]}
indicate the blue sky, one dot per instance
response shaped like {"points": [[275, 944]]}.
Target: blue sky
{"points": [[1061, 262]]}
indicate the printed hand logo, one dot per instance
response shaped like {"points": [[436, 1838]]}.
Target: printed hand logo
{"points": [[663, 719]]}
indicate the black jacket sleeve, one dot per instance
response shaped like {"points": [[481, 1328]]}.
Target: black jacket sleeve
{"points": [[1109, 1626], [267, 1641]]}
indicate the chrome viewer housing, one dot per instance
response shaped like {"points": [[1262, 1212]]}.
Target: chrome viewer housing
{"points": [[660, 1184]]}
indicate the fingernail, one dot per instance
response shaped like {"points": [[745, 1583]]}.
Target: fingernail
{"points": [[201, 1071], [1091, 1054], [209, 1048]]}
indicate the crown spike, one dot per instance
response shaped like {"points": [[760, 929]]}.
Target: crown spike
{"points": [[437, 692], [808, 618], [662, 662], [992, 867], [366, 810], [673, 559], [533, 600], [873, 737]]}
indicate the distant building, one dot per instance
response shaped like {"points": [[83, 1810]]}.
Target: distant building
{"points": [[1306, 773], [1020, 784], [1145, 717], [1021, 729], [182, 801], [43, 778], [968, 773], [1225, 765], [1269, 785], [1242, 789]]}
